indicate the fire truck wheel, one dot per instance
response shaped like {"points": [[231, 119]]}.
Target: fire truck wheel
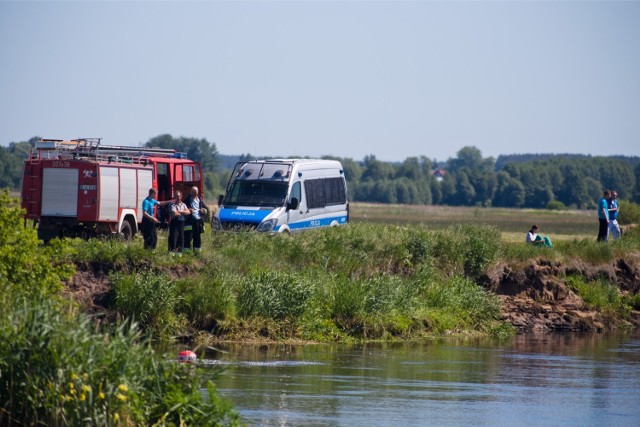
{"points": [[126, 232]]}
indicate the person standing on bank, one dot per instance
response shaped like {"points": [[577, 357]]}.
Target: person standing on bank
{"points": [[614, 208], [149, 220], [179, 213], [194, 226], [603, 217]]}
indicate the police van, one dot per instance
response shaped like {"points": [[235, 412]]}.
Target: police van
{"points": [[284, 196]]}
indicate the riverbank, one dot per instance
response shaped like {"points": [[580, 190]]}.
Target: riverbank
{"points": [[361, 282]]}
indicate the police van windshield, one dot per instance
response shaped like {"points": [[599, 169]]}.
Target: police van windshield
{"points": [[257, 193]]}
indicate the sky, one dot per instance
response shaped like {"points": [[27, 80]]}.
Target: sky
{"points": [[392, 79]]}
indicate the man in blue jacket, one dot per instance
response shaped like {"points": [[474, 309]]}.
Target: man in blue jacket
{"points": [[149, 220]]}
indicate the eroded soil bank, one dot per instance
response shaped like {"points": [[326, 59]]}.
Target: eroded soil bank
{"points": [[536, 296]]}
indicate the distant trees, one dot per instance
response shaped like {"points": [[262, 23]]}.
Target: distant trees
{"points": [[197, 149], [11, 159], [472, 180], [469, 179]]}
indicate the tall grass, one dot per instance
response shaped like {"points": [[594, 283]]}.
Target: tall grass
{"points": [[148, 298], [206, 299], [56, 370], [274, 295]]}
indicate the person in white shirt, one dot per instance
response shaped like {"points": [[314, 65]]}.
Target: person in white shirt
{"points": [[535, 239], [179, 213]]}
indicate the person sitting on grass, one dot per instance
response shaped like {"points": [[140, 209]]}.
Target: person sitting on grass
{"points": [[535, 239]]}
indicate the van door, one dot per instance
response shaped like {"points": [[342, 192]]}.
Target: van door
{"points": [[296, 217]]}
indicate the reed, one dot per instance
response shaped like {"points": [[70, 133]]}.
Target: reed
{"points": [[55, 369]]}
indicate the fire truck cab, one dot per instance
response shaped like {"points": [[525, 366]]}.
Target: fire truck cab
{"points": [[81, 188]]}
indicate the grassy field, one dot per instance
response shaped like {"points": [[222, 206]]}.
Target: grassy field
{"points": [[512, 223]]}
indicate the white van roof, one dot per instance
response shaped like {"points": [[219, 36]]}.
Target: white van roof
{"points": [[319, 162]]}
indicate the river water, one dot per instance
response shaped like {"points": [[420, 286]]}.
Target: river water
{"points": [[538, 380]]}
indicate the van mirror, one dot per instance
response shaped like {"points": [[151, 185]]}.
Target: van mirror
{"points": [[293, 204], [220, 199]]}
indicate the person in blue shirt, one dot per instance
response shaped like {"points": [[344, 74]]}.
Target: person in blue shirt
{"points": [[195, 222], [149, 220], [614, 208], [603, 217]]}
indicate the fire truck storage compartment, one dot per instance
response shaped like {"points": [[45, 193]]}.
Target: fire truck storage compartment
{"points": [[123, 187], [108, 193], [128, 188], [60, 192]]}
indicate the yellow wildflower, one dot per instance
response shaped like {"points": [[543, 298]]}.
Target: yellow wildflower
{"points": [[121, 397], [116, 417], [123, 387], [74, 376], [101, 396], [82, 397], [85, 376], [72, 392], [86, 388], [71, 386]]}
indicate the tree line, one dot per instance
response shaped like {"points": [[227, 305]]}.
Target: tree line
{"points": [[468, 179]]}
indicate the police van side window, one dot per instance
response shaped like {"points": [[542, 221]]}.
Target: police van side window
{"points": [[334, 191], [315, 193], [325, 191], [296, 191]]}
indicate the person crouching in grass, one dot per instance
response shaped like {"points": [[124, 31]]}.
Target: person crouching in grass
{"points": [[535, 239]]}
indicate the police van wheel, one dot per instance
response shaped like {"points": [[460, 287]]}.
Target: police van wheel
{"points": [[126, 232]]}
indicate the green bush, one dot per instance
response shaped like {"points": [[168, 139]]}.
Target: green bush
{"points": [[274, 295], [556, 205], [148, 298], [629, 212], [28, 270]]}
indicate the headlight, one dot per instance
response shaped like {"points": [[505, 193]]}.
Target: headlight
{"points": [[268, 225], [216, 224]]}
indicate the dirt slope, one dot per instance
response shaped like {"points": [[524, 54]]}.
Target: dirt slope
{"points": [[537, 298]]}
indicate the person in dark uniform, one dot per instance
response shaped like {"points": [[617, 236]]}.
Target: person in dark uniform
{"points": [[194, 226]]}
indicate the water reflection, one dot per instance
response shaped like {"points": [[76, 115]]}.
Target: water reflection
{"points": [[552, 379]]}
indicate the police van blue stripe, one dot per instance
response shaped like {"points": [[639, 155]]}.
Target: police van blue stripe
{"points": [[315, 223]]}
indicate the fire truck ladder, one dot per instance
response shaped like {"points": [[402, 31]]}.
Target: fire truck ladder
{"points": [[92, 148]]}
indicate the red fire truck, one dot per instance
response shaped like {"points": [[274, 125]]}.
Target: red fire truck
{"points": [[83, 188]]}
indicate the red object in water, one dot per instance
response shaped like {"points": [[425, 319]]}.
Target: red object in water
{"points": [[187, 356]]}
